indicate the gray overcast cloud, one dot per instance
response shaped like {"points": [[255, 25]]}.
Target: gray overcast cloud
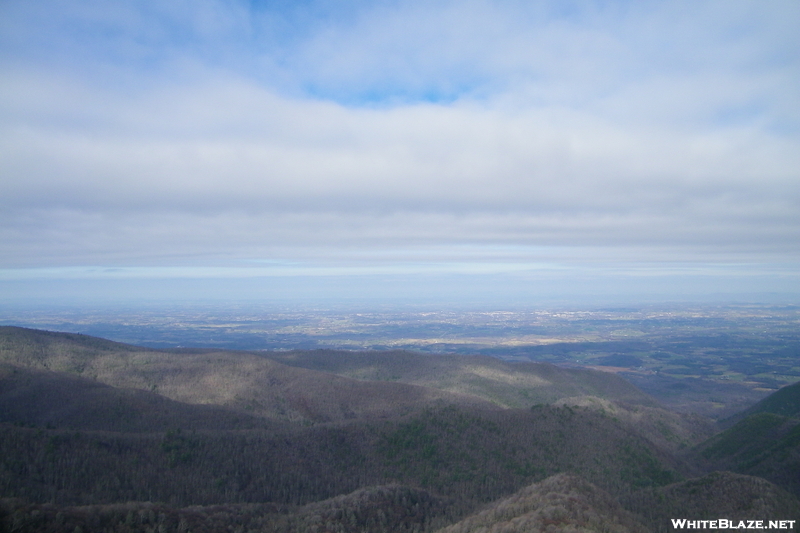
{"points": [[190, 138]]}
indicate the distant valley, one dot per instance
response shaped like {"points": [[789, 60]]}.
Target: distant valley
{"points": [[713, 360], [293, 440]]}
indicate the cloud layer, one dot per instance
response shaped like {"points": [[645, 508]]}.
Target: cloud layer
{"points": [[219, 133]]}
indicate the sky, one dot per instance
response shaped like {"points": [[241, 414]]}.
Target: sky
{"points": [[421, 151]]}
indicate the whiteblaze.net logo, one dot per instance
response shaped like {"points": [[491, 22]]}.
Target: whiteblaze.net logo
{"points": [[722, 523]]}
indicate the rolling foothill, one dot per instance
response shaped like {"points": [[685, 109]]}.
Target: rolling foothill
{"points": [[108, 436]]}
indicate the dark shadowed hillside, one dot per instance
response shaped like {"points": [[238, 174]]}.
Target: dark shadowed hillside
{"points": [[763, 444], [784, 402], [473, 456], [763, 440], [383, 508], [716, 495]]}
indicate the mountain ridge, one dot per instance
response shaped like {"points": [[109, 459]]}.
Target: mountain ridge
{"points": [[239, 380], [784, 402], [509, 384], [85, 421]]}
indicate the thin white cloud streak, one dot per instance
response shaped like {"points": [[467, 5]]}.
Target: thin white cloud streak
{"points": [[520, 270], [75, 238], [664, 125]]}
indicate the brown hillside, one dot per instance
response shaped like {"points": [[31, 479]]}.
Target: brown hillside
{"points": [[40, 398], [67, 352], [239, 380], [508, 384], [382, 508], [669, 430], [561, 503], [266, 388]]}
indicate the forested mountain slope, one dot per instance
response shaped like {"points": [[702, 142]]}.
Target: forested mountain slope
{"points": [[763, 440], [69, 352], [505, 384], [471, 455], [509, 384], [784, 402], [214, 441], [41, 398], [514, 384], [667, 429], [239, 380], [363, 384], [763, 444], [711, 497], [562, 503]]}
